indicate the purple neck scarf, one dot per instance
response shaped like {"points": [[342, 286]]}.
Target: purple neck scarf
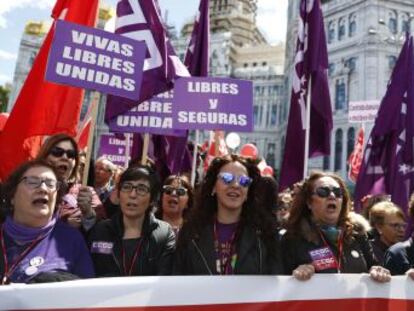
{"points": [[25, 234]]}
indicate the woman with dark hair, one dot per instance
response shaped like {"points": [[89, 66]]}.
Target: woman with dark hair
{"points": [[35, 246], [133, 241], [176, 200], [227, 232], [320, 236], [80, 205]]}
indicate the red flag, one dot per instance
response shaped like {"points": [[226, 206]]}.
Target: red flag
{"points": [[44, 108], [211, 147], [83, 134], [355, 159]]}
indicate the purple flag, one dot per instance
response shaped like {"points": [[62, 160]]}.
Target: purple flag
{"points": [[140, 20], [388, 162], [197, 61], [311, 62]]}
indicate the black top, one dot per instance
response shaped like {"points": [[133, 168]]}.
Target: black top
{"points": [[400, 257]]}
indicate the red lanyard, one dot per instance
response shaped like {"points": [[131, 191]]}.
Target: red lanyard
{"points": [[338, 260], [9, 271], [223, 261], [128, 270]]}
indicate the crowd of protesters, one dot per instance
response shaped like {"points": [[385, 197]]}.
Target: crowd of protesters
{"points": [[131, 223]]}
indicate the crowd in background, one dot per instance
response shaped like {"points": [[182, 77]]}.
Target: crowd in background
{"points": [[132, 222]]}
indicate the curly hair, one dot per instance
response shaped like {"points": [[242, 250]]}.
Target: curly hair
{"points": [[205, 207], [51, 142], [300, 210]]}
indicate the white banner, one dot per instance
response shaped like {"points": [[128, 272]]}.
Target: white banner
{"points": [[323, 292], [363, 111]]}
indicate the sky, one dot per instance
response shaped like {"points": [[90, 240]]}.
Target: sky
{"points": [[14, 14]]}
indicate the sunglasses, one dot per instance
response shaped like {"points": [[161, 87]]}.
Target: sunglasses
{"points": [[59, 152], [170, 190], [324, 192], [229, 178]]}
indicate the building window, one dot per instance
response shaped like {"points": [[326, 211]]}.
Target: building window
{"points": [[340, 96], [273, 115], [350, 141], [326, 162], [405, 24], [331, 69], [392, 22], [256, 115], [350, 63], [270, 157], [352, 27], [392, 60], [338, 150], [341, 29], [331, 32]]}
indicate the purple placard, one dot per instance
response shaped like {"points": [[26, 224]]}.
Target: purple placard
{"points": [[152, 116], [94, 59], [213, 104], [113, 148]]}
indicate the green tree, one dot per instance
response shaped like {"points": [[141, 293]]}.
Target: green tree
{"points": [[4, 98]]}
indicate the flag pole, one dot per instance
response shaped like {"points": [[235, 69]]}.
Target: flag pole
{"points": [[307, 128], [194, 166], [216, 144], [144, 157], [127, 148], [95, 104]]}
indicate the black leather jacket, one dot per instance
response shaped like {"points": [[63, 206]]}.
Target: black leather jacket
{"points": [[156, 253], [197, 256]]}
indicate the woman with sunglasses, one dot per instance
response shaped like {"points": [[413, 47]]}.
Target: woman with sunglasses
{"points": [[133, 241], [320, 236], [35, 246], [176, 201], [227, 232], [81, 205]]}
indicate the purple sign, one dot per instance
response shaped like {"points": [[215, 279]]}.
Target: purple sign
{"points": [[95, 59], [153, 116], [213, 104], [113, 149]]}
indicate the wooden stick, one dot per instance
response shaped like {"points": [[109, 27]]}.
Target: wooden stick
{"points": [[145, 149]]}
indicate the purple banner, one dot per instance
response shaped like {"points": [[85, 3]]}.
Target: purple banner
{"points": [[151, 116], [94, 59], [213, 104], [113, 149]]}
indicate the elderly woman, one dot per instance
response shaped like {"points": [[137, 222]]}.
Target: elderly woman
{"points": [[320, 237], [227, 232], [35, 246], [80, 205], [389, 221], [399, 258], [176, 200], [133, 241]]}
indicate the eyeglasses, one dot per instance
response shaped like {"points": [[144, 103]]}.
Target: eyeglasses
{"points": [[229, 178], [59, 152], [324, 192], [33, 182], [170, 190], [140, 188], [397, 226]]}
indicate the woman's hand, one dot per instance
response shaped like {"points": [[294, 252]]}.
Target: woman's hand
{"points": [[304, 272], [380, 274], [410, 273], [85, 201]]}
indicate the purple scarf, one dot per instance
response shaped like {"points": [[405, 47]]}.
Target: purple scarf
{"points": [[25, 234]]}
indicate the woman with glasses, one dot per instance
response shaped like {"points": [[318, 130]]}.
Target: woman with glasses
{"points": [[80, 206], [176, 201], [133, 241], [389, 221], [35, 246], [320, 236], [227, 231]]}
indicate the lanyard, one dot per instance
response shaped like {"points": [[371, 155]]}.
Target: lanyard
{"points": [[223, 261], [338, 260], [9, 271], [128, 270]]}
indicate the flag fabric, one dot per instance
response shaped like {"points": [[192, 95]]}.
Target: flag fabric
{"points": [[196, 60], [311, 63], [141, 20], [388, 162], [355, 159], [44, 108], [209, 147]]}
